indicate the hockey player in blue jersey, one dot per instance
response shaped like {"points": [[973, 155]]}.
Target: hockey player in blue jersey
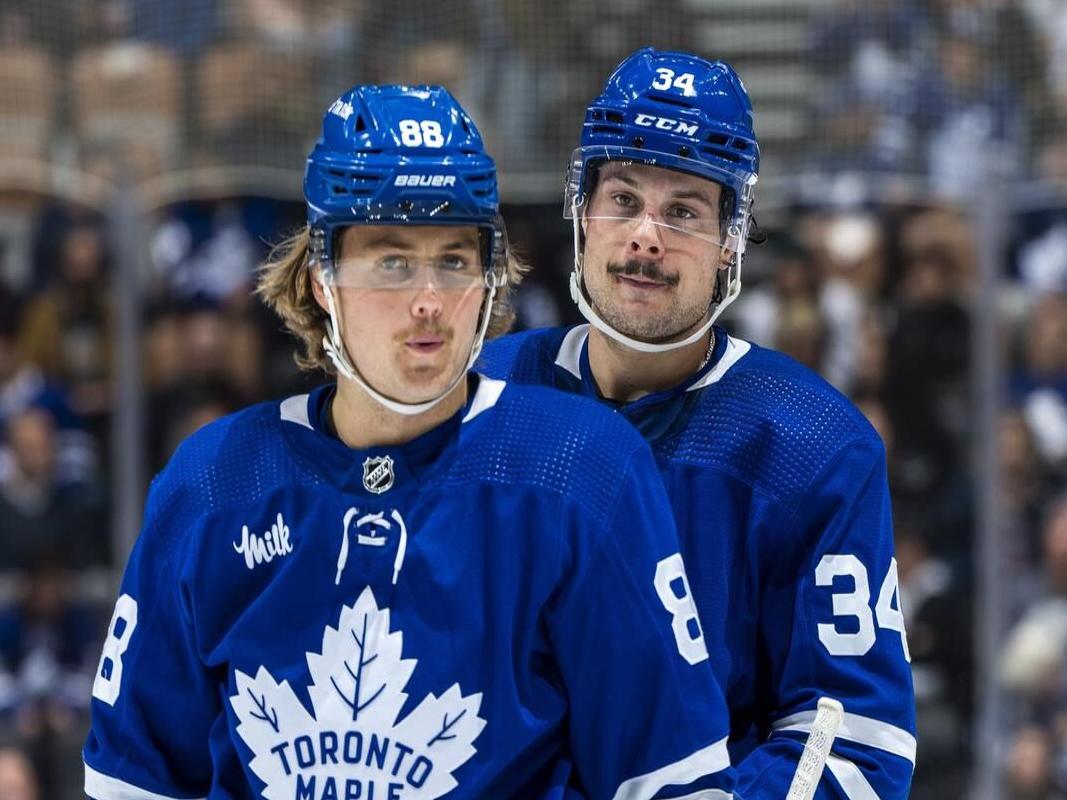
{"points": [[777, 483], [416, 582]]}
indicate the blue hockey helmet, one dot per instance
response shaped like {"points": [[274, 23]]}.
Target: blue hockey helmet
{"points": [[401, 155], [676, 111], [672, 110]]}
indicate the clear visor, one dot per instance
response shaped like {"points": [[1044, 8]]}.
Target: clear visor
{"points": [[626, 189], [412, 257], [448, 271], [685, 232]]}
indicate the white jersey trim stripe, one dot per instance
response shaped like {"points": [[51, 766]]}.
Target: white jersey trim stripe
{"points": [[295, 409], [736, 349], [859, 729], [103, 787], [485, 396], [707, 794], [713, 758], [850, 779], [570, 351]]}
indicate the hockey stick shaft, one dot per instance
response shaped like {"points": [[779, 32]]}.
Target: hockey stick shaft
{"points": [[828, 719]]}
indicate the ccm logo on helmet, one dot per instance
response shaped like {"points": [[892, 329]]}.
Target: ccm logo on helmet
{"points": [[665, 124], [425, 180]]}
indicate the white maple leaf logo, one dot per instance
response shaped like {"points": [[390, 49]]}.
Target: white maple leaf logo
{"points": [[353, 745]]}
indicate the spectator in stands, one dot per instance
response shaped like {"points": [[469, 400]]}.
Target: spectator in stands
{"points": [[1049, 19], [1034, 658], [800, 333], [874, 44], [859, 132], [1052, 155], [1027, 487], [330, 35], [49, 648], [18, 780], [841, 275], [205, 256], [1021, 50], [976, 125], [778, 273], [1044, 351], [1039, 383], [16, 24], [873, 355], [928, 380], [851, 261], [67, 330], [194, 407], [939, 622], [330, 27], [23, 385], [38, 512], [1030, 766], [204, 357], [542, 300], [1033, 669], [186, 27]]}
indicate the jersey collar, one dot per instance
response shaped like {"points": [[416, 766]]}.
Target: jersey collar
{"points": [[573, 358], [658, 415], [304, 422]]}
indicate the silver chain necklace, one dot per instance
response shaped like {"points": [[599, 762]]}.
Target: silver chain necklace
{"points": [[711, 348]]}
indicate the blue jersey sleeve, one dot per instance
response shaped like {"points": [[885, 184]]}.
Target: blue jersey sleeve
{"points": [[841, 617], [153, 703], [647, 715]]}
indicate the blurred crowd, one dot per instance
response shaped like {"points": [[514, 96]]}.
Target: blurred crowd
{"points": [[959, 92], [874, 290], [955, 92]]}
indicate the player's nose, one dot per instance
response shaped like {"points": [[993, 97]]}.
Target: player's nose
{"points": [[426, 303], [646, 238]]}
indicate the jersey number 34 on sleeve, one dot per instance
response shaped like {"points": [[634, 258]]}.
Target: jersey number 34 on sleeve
{"points": [[856, 603]]}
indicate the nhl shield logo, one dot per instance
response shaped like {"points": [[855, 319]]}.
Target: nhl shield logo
{"points": [[378, 474]]}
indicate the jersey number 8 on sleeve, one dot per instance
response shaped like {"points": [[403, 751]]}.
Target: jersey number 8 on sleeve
{"points": [[856, 603], [108, 681], [685, 623]]}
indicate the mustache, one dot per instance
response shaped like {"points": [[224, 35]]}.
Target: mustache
{"points": [[645, 269], [431, 329]]}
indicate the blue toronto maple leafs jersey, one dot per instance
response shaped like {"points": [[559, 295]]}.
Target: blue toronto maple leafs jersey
{"points": [[492, 610], [779, 490]]}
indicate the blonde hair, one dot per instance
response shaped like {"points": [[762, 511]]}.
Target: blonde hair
{"points": [[285, 286]]}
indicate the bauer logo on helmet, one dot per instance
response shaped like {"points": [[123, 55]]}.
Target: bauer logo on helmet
{"points": [[425, 180]]}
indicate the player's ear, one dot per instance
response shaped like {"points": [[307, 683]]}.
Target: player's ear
{"points": [[315, 273], [726, 256]]}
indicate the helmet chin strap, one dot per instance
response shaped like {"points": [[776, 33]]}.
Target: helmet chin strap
{"points": [[578, 295], [334, 346]]}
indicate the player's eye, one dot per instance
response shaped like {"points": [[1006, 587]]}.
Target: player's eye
{"points": [[394, 265], [624, 201], [453, 262], [681, 213]]}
